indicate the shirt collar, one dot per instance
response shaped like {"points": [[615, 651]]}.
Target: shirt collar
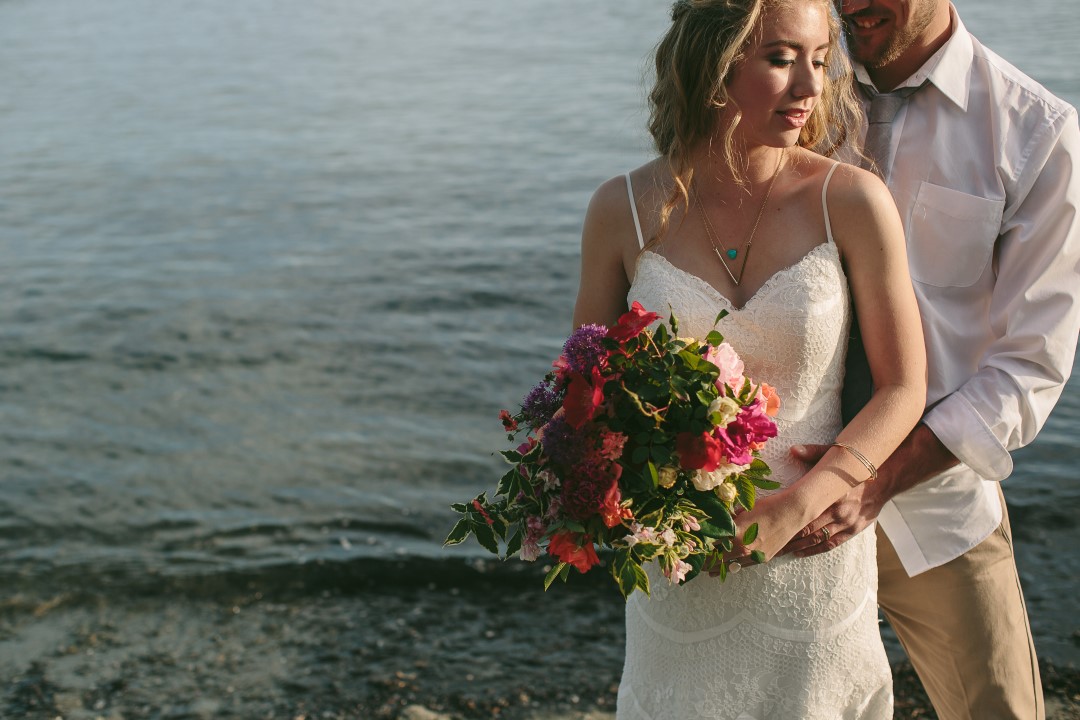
{"points": [[947, 69]]}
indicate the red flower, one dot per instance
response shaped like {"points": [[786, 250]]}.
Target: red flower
{"points": [[698, 452], [611, 511], [480, 508], [632, 323], [508, 422], [567, 547], [583, 397]]}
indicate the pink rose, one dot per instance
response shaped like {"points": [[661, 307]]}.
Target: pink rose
{"points": [[746, 432], [724, 357]]}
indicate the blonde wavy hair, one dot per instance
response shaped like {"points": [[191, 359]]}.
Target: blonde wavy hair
{"points": [[694, 61]]}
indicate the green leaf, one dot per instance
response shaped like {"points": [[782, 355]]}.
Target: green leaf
{"points": [[654, 475], [640, 454], [714, 338], [512, 456], [747, 494], [641, 580], [498, 526], [711, 530], [723, 314], [554, 573], [758, 557], [485, 536], [505, 482], [460, 507], [514, 545], [627, 579], [717, 512], [459, 533], [750, 535], [660, 336], [764, 484]]}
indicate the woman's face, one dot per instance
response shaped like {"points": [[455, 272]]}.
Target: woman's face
{"points": [[779, 82]]}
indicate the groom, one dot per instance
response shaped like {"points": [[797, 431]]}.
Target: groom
{"points": [[980, 160]]}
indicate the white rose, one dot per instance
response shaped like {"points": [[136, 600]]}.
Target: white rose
{"points": [[728, 409], [667, 476], [727, 492]]}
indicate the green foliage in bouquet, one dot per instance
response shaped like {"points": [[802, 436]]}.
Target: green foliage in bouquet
{"points": [[641, 443]]}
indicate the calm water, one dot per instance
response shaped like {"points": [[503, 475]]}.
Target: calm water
{"points": [[269, 270]]}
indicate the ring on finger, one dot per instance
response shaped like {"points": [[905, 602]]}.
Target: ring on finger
{"points": [[826, 533]]}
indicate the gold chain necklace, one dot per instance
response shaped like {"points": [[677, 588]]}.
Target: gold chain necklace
{"points": [[714, 238]]}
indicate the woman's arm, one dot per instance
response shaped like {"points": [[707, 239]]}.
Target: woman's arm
{"points": [[608, 246], [870, 237]]}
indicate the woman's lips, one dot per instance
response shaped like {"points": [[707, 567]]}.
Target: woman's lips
{"points": [[795, 118]]}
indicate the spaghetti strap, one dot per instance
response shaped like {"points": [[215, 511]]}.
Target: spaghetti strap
{"points": [[633, 209], [824, 204]]}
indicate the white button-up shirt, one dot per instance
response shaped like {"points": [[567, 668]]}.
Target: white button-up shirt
{"points": [[984, 175]]}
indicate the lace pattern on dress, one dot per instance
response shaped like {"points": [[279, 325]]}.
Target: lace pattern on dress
{"points": [[797, 637]]}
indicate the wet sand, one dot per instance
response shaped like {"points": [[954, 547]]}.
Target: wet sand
{"points": [[478, 645]]}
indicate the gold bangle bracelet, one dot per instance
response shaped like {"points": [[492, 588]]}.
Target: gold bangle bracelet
{"points": [[861, 458]]}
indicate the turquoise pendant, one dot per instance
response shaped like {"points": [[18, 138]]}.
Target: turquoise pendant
{"points": [[732, 254]]}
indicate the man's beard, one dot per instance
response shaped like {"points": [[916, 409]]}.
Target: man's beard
{"points": [[900, 41]]}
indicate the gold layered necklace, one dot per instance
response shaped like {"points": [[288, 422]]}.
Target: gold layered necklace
{"points": [[714, 239]]}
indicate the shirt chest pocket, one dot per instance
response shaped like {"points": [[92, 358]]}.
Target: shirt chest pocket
{"points": [[951, 235]]}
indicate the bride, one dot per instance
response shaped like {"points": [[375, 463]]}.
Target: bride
{"points": [[744, 211]]}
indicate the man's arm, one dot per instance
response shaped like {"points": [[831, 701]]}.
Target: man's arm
{"points": [[1034, 311], [1035, 315], [920, 457]]}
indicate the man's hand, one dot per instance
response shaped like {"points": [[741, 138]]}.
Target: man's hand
{"points": [[919, 457], [845, 519]]}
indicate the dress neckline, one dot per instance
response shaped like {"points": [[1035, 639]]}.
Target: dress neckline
{"points": [[767, 285]]}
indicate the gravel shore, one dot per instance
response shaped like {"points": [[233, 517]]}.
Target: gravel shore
{"points": [[493, 647]]}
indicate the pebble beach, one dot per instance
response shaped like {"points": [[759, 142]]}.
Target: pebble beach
{"points": [[486, 643]]}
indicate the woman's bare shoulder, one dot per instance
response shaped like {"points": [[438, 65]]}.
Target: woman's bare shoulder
{"points": [[856, 192], [610, 216]]}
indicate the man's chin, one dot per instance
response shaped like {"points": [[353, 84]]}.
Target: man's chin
{"points": [[867, 55]]}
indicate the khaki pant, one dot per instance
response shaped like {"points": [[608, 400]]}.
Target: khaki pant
{"points": [[965, 628]]}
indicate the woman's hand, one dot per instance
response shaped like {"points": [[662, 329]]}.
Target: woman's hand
{"points": [[779, 518]]}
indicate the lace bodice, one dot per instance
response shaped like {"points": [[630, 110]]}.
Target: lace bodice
{"points": [[797, 637], [791, 334]]}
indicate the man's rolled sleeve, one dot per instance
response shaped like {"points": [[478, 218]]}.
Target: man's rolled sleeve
{"points": [[1034, 310]]}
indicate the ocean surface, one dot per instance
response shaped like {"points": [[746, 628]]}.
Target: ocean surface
{"points": [[269, 270]]}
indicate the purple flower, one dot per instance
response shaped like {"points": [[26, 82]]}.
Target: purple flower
{"points": [[583, 350], [563, 444], [540, 404]]}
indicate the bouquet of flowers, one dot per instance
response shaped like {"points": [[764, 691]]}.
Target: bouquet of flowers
{"points": [[639, 442]]}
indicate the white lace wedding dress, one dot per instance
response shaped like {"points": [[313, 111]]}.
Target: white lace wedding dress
{"points": [[795, 639]]}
